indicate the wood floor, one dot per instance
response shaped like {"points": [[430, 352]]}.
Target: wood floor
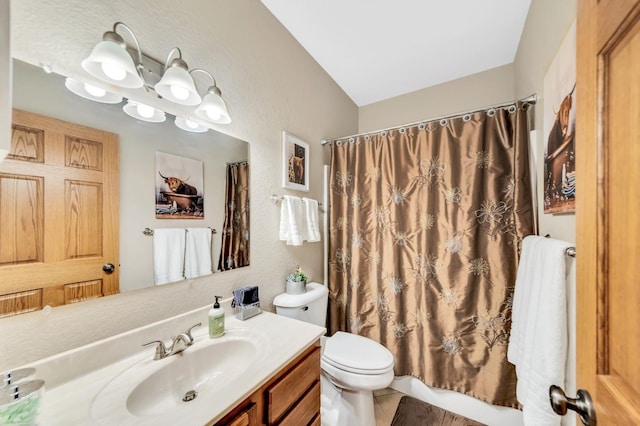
{"points": [[385, 402]]}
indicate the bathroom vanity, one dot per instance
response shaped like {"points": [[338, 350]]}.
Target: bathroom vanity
{"points": [[291, 397], [264, 370]]}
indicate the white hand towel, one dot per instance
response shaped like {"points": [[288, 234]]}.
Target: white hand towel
{"points": [[291, 216], [197, 258], [538, 341], [311, 215], [168, 255]]}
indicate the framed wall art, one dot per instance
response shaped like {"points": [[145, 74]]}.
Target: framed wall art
{"points": [[295, 163], [179, 187], [559, 129]]}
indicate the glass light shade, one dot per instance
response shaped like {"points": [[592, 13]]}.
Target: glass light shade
{"points": [[110, 62], [190, 125], [213, 109], [91, 92], [176, 85], [144, 112]]}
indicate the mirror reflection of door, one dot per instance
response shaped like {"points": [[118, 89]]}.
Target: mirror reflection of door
{"points": [[59, 206], [607, 223]]}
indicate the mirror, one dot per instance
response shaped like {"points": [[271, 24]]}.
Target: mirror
{"points": [[45, 94]]}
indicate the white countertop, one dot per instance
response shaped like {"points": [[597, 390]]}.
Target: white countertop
{"points": [[76, 378]]}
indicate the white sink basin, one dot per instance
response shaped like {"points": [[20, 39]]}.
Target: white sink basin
{"points": [[191, 370], [183, 381]]}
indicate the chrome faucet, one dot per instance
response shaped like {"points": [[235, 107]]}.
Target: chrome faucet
{"points": [[178, 344]]}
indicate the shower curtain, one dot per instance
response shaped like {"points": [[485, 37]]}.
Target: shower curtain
{"points": [[235, 230], [425, 229]]}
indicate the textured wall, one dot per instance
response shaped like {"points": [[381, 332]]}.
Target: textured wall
{"points": [[475, 91], [270, 84], [547, 24]]}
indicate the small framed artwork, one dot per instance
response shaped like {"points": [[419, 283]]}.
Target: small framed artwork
{"points": [[295, 163], [179, 187]]}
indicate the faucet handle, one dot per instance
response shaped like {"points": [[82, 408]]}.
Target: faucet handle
{"points": [[188, 332], [161, 349]]}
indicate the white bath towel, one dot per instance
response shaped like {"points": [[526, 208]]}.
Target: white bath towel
{"points": [[197, 258], [311, 216], [168, 255], [538, 342], [291, 220]]}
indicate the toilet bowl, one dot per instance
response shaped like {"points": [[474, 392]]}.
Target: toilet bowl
{"points": [[352, 366]]}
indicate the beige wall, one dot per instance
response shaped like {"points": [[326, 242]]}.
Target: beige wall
{"points": [[5, 79], [546, 26], [270, 83], [486, 88]]}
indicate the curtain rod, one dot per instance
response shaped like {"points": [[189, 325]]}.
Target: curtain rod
{"points": [[532, 99]]}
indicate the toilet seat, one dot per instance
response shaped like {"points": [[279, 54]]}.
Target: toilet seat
{"points": [[357, 354]]}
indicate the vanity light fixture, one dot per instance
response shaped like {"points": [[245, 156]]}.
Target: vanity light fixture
{"points": [[176, 84], [91, 92], [213, 108], [118, 64], [190, 125], [144, 112], [109, 60]]}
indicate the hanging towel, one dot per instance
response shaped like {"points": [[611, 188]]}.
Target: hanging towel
{"points": [[168, 255], [291, 220], [311, 216], [197, 257], [538, 341]]}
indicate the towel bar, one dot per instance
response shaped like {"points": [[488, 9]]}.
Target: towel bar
{"points": [[570, 251], [149, 232], [275, 199]]}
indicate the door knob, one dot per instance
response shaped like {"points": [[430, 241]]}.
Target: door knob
{"points": [[108, 268], [582, 404]]}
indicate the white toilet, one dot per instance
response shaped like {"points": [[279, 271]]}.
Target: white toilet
{"points": [[352, 366]]}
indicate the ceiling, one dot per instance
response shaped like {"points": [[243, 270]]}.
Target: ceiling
{"points": [[378, 49]]}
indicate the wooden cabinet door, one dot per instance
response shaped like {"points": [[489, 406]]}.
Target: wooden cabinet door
{"points": [[608, 207], [59, 214]]}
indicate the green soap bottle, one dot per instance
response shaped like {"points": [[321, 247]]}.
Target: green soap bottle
{"points": [[216, 319]]}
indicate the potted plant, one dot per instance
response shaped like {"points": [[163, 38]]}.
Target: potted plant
{"points": [[296, 282]]}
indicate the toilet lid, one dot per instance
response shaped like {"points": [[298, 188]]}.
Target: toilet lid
{"points": [[357, 354]]}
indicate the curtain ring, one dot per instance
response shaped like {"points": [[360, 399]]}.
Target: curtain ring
{"points": [[402, 130], [421, 126], [443, 122], [383, 134], [491, 112], [367, 137], [339, 143], [466, 117], [512, 109], [352, 140]]}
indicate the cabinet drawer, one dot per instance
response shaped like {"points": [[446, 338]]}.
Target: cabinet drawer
{"points": [[286, 391], [306, 410]]}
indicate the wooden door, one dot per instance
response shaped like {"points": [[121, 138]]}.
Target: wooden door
{"points": [[59, 207], [608, 207]]}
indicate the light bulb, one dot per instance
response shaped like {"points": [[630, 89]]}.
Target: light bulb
{"points": [[191, 124], [214, 113], [95, 91], [113, 71], [179, 92], [145, 110]]}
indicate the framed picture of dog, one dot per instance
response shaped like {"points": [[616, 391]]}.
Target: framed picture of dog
{"points": [[295, 163], [179, 187]]}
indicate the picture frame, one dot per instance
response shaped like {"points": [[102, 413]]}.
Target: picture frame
{"points": [[295, 163], [179, 187], [559, 183]]}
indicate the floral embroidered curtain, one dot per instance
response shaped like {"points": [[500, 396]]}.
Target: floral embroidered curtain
{"points": [[235, 230], [425, 228]]}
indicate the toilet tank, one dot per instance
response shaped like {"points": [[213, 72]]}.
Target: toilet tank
{"points": [[309, 307]]}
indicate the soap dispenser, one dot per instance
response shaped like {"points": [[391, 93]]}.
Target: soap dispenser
{"points": [[216, 319]]}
